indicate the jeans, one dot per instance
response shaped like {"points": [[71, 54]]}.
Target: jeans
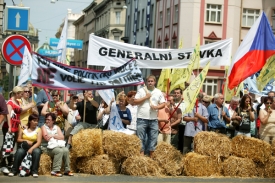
{"points": [[151, 128], [19, 156], [175, 140], [81, 126]]}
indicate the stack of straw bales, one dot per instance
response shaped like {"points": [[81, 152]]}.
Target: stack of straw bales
{"points": [[201, 165], [270, 167], [240, 167], [169, 159], [45, 166], [120, 145], [252, 148], [212, 144], [87, 143], [98, 165], [273, 147], [141, 166]]}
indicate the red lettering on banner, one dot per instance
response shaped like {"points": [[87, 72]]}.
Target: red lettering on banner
{"points": [[45, 74]]}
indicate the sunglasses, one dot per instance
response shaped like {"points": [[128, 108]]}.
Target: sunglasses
{"points": [[268, 103], [27, 91], [205, 101], [54, 95]]}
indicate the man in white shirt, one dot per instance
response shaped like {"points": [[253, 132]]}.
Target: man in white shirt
{"points": [[149, 100]]}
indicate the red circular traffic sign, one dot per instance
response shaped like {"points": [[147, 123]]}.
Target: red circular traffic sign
{"points": [[13, 49]]}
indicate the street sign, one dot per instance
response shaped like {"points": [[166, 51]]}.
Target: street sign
{"points": [[13, 49], [48, 53], [17, 19], [71, 43]]}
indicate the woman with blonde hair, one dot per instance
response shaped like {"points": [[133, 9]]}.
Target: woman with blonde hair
{"points": [[24, 101], [15, 110], [124, 112]]}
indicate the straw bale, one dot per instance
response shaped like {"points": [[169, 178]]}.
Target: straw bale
{"points": [[169, 159], [260, 169], [73, 161], [140, 166], [239, 167], [87, 143], [120, 145], [45, 164], [270, 167], [201, 165], [105, 165], [84, 164], [273, 147], [252, 148], [212, 144]]}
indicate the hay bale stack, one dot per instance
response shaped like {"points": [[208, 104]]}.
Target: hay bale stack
{"points": [[273, 147], [270, 167], [239, 167], [73, 162], [260, 169], [212, 144], [120, 145], [169, 159], [105, 165], [252, 148], [87, 143], [84, 164], [140, 166], [45, 165], [201, 165]]}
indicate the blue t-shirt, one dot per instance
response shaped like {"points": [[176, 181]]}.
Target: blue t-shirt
{"points": [[124, 115], [215, 119]]}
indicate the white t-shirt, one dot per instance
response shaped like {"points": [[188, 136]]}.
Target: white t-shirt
{"points": [[133, 110], [144, 110]]}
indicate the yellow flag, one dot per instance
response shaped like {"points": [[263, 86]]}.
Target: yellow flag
{"points": [[178, 78], [192, 91], [240, 87], [163, 78], [266, 74], [228, 94], [195, 60], [180, 44]]}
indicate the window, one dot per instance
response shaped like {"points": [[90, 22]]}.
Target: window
{"points": [[152, 14], [116, 38], [142, 19], [210, 86], [138, 18], [167, 22], [160, 19], [174, 44], [166, 45], [150, 44], [213, 13], [249, 17], [208, 41], [118, 17], [176, 14]]}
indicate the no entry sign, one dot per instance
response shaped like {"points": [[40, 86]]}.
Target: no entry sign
{"points": [[13, 49]]}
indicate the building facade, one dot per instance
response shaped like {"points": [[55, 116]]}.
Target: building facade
{"points": [[214, 20], [72, 17]]}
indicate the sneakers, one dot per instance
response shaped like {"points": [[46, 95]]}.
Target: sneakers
{"points": [[11, 174], [5, 170], [56, 174], [69, 173], [35, 175]]}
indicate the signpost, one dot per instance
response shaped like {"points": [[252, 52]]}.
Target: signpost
{"points": [[13, 49], [17, 19], [71, 43]]}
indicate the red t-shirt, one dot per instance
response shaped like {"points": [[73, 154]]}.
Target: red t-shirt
{"points": [[15, 116]]}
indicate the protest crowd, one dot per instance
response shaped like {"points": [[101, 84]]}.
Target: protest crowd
{"points": [[162, 128]]}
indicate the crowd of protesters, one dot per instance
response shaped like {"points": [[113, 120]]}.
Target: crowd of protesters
{"points": [[40, 124]]}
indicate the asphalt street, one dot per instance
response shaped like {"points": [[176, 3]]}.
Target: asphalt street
{"points": [[122, 178]]}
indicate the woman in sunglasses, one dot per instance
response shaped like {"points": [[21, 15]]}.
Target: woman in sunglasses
{"points": [[24, 101], [58, 107], [244, 114], [267, 118]]}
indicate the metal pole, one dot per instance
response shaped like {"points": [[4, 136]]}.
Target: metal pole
{"points": [[14, 76], [10, 78]]}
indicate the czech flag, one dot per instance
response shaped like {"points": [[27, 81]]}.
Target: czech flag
{"points": [[257, 46]]}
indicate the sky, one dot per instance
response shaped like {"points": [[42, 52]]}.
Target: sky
{"points": [[47, 16]]}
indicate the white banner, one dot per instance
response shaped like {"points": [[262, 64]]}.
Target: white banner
{"points": [[251, 86], [62, 44], [51, 74], [105, 52], [26, 67]]}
